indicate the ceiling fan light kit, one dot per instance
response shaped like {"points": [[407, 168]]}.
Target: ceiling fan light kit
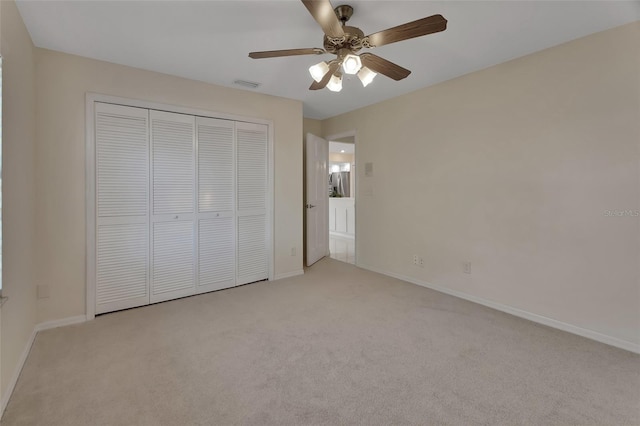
{"points": [[318, 70], [366, 76], [351, 64], [345, 41], [335, 83]]}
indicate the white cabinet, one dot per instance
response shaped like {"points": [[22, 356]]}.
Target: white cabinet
{"points": [[181, 205], [342, 216], [351, 217]]}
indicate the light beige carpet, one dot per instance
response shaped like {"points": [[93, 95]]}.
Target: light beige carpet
{"points": [[336, 346]]}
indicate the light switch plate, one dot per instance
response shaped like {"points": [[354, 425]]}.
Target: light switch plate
{"points": [[368, 169]]}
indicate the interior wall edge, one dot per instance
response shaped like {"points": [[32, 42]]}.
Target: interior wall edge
{"points": [[6, 395], [27, 349], [19, 314], [288, 275], [78, 319]]}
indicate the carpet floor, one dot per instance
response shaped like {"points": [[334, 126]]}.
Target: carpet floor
{"points": [[337, 346]]}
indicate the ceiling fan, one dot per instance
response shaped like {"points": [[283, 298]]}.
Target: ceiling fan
{"points": [[345, 42]]}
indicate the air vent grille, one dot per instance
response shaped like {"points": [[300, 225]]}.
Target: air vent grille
{"points": [[245, 83]]}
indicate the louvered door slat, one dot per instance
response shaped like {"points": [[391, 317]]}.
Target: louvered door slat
{"points": [[173, 178], [121, 267], [252, 249], [173, 260], [122, 158], [172, 144], [181, 205], [216, 199], [215, 165], [216, 254], [122, 194], [252, 166], [252, 202]]}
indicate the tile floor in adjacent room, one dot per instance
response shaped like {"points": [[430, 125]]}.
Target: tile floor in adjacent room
{"points": [[342, 248]]}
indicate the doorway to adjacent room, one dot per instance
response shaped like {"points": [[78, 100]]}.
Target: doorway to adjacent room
{"points": [[342, 198]]}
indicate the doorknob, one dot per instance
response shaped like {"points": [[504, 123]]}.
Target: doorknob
{"points": [[310, 206]]}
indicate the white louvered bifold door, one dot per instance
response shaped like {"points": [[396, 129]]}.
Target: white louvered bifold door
{"points": [[216, 197], [173, 236], [122, 207], [251, 160]]}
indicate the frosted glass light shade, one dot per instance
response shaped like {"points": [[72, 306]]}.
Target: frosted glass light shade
{"points": [[318, 71], [335, 84], [351, 64], [366, 76]]}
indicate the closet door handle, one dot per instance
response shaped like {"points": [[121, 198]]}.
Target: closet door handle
{"points": [[310, 206]]}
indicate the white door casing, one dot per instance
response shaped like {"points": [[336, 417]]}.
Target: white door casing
{"points": [[317, 202]]}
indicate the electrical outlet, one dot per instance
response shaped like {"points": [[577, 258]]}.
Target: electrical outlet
{"points": [[421, 262], [42, 291], [466, 267], [416, 259], [293, 251]]}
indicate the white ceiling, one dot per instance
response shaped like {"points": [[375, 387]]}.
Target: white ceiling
{"points": [[338, 147], [209, 40]]}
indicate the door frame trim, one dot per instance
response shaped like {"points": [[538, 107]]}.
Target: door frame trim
{"points": [[307, 182], [340, 135], [90, 177]]}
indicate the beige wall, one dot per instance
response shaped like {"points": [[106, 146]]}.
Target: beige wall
{"points": [[62, 81], [18, 190], [512, 168], [338, 157], [309, 125]]}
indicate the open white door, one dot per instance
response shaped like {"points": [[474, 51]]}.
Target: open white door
{"points": [[317, 203]]}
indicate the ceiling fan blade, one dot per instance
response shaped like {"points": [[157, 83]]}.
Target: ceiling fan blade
{"points": [[323, 13], [421, 27], [333, 67], [382, 66], [287, 52]]}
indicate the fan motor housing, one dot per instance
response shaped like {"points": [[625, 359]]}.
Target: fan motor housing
{"points": [[344, 13], [352, 41]]}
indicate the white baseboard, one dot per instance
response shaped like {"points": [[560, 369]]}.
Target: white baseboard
{"points": [[342, 235], [16, 372], [288, 275], [27, 348], [589, 334], [61, 322]]}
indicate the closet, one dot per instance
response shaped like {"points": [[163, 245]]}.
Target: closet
{"points": [[181, 205]]}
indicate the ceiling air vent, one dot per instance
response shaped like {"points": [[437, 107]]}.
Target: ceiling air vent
{"points": [[248, 84]]}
